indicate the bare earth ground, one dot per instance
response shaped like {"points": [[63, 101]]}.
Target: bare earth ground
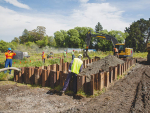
{"points": [[127, 95]]}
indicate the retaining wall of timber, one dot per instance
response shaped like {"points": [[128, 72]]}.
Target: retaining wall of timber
{"points": [[54, 75]]}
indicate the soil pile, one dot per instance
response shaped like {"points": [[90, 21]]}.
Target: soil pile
{"points": [[103, 64], [128, 95]]}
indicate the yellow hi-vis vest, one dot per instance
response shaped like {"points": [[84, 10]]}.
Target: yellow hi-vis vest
{"points": [[76, 65]]}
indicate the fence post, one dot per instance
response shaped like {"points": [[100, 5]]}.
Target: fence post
{"points": [[106, 79], [92, 85], [36, 71]]}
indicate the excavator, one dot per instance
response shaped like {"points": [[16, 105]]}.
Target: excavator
{"points": [[123, 52]]}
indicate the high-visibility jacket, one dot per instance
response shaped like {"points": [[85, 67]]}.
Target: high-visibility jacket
{"points": [[76, 65], [116, 50], [64, 53], [43, 56], [9, 55], [72, 53]]}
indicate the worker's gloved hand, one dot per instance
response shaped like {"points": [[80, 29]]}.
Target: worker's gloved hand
{"points": [[69, 71]]}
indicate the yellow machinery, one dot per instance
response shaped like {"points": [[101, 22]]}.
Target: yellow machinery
{"points": [[148, 50], [123, 52]]}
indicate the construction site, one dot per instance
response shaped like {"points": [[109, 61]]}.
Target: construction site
{"points": [[117, 85]]}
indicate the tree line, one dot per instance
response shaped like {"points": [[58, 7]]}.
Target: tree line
{"points": [[135, 36]]}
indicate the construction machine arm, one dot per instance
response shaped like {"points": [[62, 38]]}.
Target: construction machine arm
{"points": [[88, 40], [107, 37]]}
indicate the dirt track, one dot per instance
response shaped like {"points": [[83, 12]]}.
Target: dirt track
{"points": [[130, 94]]}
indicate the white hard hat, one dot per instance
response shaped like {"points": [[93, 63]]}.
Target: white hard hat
{"points": [[80, 55]]}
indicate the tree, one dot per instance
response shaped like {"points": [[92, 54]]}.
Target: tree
{"points": [[82, 35], [98, 27], [16, 40], [73, 37], [3, 46], [120, 36], [51, 41], [59, 39], [139, 34], [24, 38]]}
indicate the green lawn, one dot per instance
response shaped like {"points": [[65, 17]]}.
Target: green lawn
{"points": [[36, 59]]}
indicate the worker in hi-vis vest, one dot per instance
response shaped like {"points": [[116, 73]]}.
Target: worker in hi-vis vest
{"points": [[65, 53], [9, 56], [43, 57], [72, 53], [75, 68]]}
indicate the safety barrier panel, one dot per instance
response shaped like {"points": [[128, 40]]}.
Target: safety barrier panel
{"points": [[54, 75]]}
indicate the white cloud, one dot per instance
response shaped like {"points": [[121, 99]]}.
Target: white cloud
{"points": [[18, 4], [89, 14], [83, 1], [92, 13]]}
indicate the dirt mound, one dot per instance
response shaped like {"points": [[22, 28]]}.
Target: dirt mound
{"points": [[131, 94], [103, 64]]}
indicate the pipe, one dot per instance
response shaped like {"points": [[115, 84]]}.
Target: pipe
{"points": [[13, 68]]}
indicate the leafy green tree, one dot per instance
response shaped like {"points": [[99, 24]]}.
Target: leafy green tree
{"points": [[51, 41], [59, 39], [82, 35], [24, 38], [65, 44], [40, 43], [73, 37], [16, 40], [139, 35], [3, 46], [120, 36], [98, 27]]}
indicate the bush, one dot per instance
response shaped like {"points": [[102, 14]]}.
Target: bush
{"points": [[3, 76], [3, 46]]}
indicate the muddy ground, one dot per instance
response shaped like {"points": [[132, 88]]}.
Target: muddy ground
{"points": [[127, 95]]}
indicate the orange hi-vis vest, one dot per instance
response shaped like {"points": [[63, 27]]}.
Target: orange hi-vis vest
{"points": [[9, 55], [116, 50], [43, 56]]}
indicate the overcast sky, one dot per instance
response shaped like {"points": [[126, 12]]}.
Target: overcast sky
{"points": [[56, 15]]}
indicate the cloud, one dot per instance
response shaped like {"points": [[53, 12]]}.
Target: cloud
{"points": [[87, 15], [18, 4], [92, 13], [83, 1]]}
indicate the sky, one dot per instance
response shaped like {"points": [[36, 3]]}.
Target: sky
{"points": [[56, 15]]}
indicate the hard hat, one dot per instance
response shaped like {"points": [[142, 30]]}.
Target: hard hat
{"points": [[43, 51], [9, 49], [80, 55]]}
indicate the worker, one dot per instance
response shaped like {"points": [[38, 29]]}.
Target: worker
{"points": [[72, 53], [64, 53], [116, 52], [43, 57], [75, 68], [9, 56]]}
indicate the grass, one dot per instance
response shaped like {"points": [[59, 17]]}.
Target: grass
{"points": [[58, 88], [140, 55], [82, 93]]}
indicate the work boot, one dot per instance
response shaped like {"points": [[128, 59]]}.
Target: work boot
{"points": [[62, 92]]}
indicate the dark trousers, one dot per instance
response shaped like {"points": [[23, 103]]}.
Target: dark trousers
{"points": [[43, 60], [74, 82], [73, 57], [8, 62]]}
